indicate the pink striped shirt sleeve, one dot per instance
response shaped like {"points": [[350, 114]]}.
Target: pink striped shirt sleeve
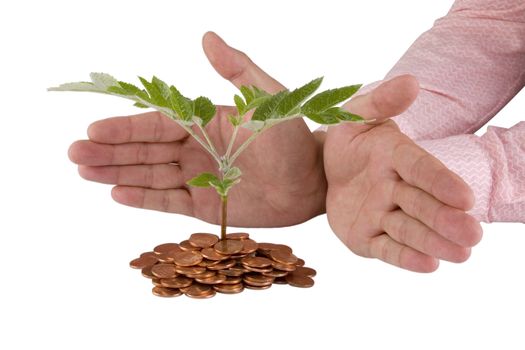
{"points": [[469, 65]]}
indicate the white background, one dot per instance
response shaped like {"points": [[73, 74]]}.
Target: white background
{"points": [[65, 245]]}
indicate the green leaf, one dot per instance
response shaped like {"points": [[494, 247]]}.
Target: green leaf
{"points": [[222, 187], [294, 98], [233, 173], [117, 90], [248, 94], [256, 102], [78, 86], [321, 118], [140, 105], [202, 180], [130, 88], [241, 106], [180, 104], [268, 109], [204, 109], [103, 80], [162, 87], [341, 114], [154, 93], [328, 98], [235, 120]]}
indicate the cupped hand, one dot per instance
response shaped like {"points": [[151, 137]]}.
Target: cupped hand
{"points": [[388, 198], [149, 158]]}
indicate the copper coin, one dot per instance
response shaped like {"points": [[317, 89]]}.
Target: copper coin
{"points": [[275, 273], [177, 282], [257, 287], [187, 246], [211, 280], [148, 254], [166, 292], [190, 269], [229, 288], [256, 261], [165, 258], [146, 272], [257, 279], [200, 291], [300, 262], [164, 271], [211, 254], [260, 270], [203, 240], [156, 282], [223, 265], [299, 281], [232, 280], [142, 262], [233, 271], [239, 256], [305, 271], [249, 246], [205, 274], [166, 247], [280, 280], [238, 235], [228, 247], [283, 267], [187, 258], [283, 257], [266, 248]]}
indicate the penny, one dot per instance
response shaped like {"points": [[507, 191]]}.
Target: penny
{"points": [[257, 287], [200, 291], [177, 282], [256, 261], [248, 246], [229, 288], [187, 246], [156, 282], [146, 272], [211, 254], [166, 292], [187, 258], [266, 248], [233, 271], [280, 280], [283, 257], [166, 247], [232, 280], [275, 273], [211, 280], [189, 269], [148, 254], [260, 270], [238, 235], [223, 265], [283, 267], [300, 262], [165, 257], [203, 240], [257, 279], [205, 274], [142, 262], [164, 271], [228, 247], [299, 281], [305, 271]]}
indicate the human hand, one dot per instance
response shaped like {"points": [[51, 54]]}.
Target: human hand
{"points": [[388, 198], [283, 180]]}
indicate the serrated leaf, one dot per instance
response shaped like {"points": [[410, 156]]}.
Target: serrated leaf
{"points": [[268, 109], [233, 173], [341, 114], [154, 93], [78, 86], [322, 118], [162, 87], [140, 105], [247, 93], [296, 97], [234, 120], [103, 80], [329, 98], [130, 88], [253, 125], [204, 109], [203, 180], [117, 90], [241, 106], [180, 104], [144, 95], [256, 102]]}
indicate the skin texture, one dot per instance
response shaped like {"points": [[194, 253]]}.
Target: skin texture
{"points": [[281, 169], [388, 198]]}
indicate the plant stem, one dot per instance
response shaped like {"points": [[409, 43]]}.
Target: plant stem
{"points": [[207, 139], [232, 140], [243, 146], [224, 216]]}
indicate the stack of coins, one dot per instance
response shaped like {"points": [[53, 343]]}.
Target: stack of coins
{"points": [[203, 265]]}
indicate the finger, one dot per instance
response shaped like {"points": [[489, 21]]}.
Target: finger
{"points": [[86, 152], [158, 176], [451, 223], [145, 127], [388, 250], [387, 100], [422, 170], [236, 66], [171, 201], [411, 232]]}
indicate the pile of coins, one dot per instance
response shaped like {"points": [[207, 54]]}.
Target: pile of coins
{"points": [[203, 265]]}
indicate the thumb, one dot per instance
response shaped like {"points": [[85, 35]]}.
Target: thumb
{"points": [[236, 66]]}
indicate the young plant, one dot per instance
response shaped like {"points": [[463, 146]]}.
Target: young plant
{"points": [[194, 114]]}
